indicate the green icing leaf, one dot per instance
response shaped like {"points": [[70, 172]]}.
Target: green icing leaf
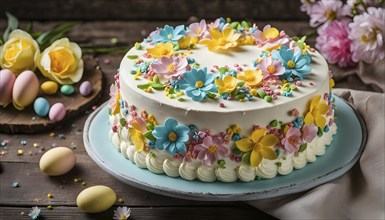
{"points": [[211, 95], [158, 86], [240, 96], [244, 24], [240, 84], [181, 99], [278, 164], [246, 158], [149, 136], [223, 70], [150, 126], [144, 86], [302, 147], [320, 132], [122, 122], [156, 79], [132, 57], [236, 151], [274, 123], [171, 91], [234, 25], [222, 164], [235, 92]]}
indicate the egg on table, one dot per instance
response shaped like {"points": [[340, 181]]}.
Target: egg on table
{"points": [[57, 161], [25, 89], [57, 112], [41, 107], [49, 87], [7, 79], [85, 88], [96, 199]]}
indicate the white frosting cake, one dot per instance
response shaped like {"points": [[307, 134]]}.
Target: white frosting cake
{"points": [[221, 101]]}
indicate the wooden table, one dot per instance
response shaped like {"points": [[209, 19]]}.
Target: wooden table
{"points": [[34, 185]]}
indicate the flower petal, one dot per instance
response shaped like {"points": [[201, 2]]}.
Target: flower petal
{"points": [[320, 121], [170, 124], [258, 134], [255, 158], [244, 145], [322, 108], [308, 119], [269, 140], [268, 153]]}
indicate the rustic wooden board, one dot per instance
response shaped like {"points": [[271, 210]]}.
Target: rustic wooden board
{"points": [[26, 121]]}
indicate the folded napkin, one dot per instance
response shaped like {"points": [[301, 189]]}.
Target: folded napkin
{"points": [[360, 193]]}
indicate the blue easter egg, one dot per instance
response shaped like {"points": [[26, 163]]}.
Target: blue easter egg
{"points": [[41, 106]]}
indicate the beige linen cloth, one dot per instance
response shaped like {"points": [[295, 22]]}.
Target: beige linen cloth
{"points": [[358, 194]]}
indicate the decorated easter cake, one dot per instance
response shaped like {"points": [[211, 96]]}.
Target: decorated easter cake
{"points": [[221, 101]]}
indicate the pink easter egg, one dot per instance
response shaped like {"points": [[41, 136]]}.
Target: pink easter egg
{"points": [[7, 80], [25, 89], [57, 112]]}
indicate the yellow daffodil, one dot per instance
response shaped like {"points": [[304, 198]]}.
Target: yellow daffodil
{"points": [[260, 145], [226, 85], [161, 50], [187, 42], [136, 136], [251, 77], [317, 112], [221, 40]]}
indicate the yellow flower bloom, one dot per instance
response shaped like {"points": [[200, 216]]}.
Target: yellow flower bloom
{"points": [[62, 62], [116, 108], [19, 53], [136, 136], [248, 40], [317, 111], [161, 50], [251, 77], [331, 83], [260, 145], [221, 40], [187, 42], [226, 85]]}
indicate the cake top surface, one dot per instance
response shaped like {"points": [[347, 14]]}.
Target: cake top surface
{"points": [[221, 66]]}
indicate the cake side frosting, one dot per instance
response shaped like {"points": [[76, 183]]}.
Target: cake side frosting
{"points": [[242, 104]]}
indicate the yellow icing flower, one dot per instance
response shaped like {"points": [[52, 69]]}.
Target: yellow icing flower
{"points": [[248, 40], [221, 40], [331, 83], [317, 111], [19, 52], [260, 145], [187, 42], [116, 107], [62, 62], [161, 50], [136, 136], [226, 85], [251, 77]]}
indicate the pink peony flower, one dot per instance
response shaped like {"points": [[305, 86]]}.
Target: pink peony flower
{"points": [[367, 34], [293, 140], [309, 132], [212, 149], [171, 67], [198, 30], [271, 68], [334, 44], [261, 37], [327, 11], [307, 6]]}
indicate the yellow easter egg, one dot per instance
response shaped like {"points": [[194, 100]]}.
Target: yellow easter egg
{"points": [[49, 87], [57, 161], [96, 199]]}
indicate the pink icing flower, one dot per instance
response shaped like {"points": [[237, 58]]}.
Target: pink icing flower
{"points": [[212, 149], [198, 30], [171, 67], [309, 132], [270, 35], [367, 34], [271, 68], [327, 11], [293, 140], [307, 6], [334, 44], [113, 92]]}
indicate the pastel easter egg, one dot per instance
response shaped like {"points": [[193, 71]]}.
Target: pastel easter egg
{"points": [[49, 87], [7, 79], [57, 112], [25, 89], [67, 89], [41, 107], [85, 88], [57, 161], [96, 199]]}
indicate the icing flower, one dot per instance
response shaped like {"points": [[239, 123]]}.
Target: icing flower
{"points": [[292, 140], [219, 23], [260, 144], [212, 149], [327, 11], [187, 42], [161, 50], [226, 85], [367, 34], [62, 62], [317, 112], [334, 44], [170, 68], [295, 64], [169, 34], [198, 30], [197, 83], [122, 213], [136, 135], [19, 53], [270, 68], [309, 132], [34, 213], [251, 77], [221, 40], [171, 136], [113, 103], [269, 35]]}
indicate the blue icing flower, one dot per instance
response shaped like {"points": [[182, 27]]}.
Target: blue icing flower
{"points": [[171, 136], [298, 122], [295, 64], [197, 83], [169, 34]]}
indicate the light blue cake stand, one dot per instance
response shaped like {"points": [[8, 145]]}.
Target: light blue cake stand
{"points": [[340, 156]]}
